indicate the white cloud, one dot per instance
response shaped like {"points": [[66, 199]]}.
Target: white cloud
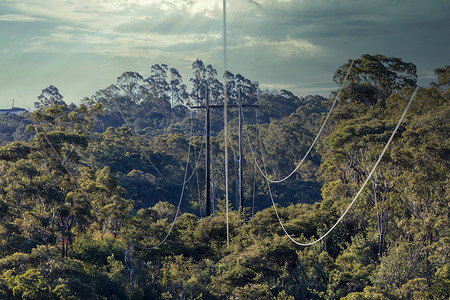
{"points": [[294, 47], [272, 41], [90, 14], [206, 8], [108, 13], [35, 45], [18, 18], [116, 44], [285, 48]]}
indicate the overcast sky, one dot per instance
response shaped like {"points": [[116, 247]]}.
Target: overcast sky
{"points": [[81, 46]]}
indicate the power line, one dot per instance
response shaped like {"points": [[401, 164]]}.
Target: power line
{"points": [[225, 115], [360, 190], [264, 174], [197, 161], [142, 150], [198, 193], [213, 184], [198, 157], [179, 202], [72, 178], [148, 158]]}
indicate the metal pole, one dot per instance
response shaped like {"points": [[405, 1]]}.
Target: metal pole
{"points": [[225, 115], [236, 174], [241, 158], [213, 202], [208, 158]]}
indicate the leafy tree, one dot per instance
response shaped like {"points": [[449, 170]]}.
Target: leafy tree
{"points": [[198, 82], [179, 96], [95, 199], [374, 78], [13, 127], [443, 76], [205, 80], [402, 263], [49, 96], [277, 105], [370, 293], [158, 82], [354, 268], [29, 285]]}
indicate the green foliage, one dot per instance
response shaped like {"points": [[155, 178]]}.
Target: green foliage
{"points": [[277, 105], [403, 207], [77, 208], [14, 151], [353, 268], [13, 127], [373, 78], [443, 76], [369, 293], [29, 285], [400, 264]]}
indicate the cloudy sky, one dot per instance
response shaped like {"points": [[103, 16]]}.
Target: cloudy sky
{"points": [[81, 46]]}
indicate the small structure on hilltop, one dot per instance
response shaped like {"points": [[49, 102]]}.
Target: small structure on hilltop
{"points": [[13, 110]]}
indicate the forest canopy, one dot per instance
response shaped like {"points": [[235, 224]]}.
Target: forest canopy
{"points": [[86, 189]]}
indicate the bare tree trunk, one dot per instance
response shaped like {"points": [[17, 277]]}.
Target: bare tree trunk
{"points": [[63, 236], [382, 208], [130, 268]]}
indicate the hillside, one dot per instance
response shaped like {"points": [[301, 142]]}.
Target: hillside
{"points": [[88, 191]]}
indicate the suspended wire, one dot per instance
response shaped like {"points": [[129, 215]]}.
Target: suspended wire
{"points": [[199, 155], [197, 160], [58, 157], [236, 179], [254, 191], [264, 174], [138, 144], [213, 184], [360, 190], [143, 151], [253, 165], [198, 193], [135, 136], [72, 178], [179, 202], [195, 170]]}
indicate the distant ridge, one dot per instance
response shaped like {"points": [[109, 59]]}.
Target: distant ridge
{"points": [[13, 110]]}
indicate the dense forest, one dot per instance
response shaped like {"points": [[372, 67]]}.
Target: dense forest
{"points": [[87, 191]]}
